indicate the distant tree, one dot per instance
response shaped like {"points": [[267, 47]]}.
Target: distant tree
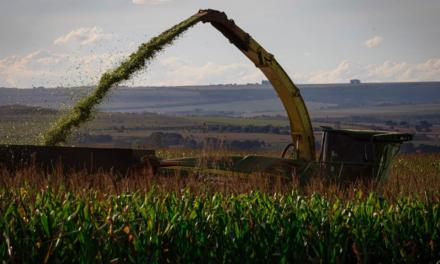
{"points": [[403, 124], [407, 148], [161, 139], [424, 126], [93, 139], [245, 144], [423, 148], [390, 123]]}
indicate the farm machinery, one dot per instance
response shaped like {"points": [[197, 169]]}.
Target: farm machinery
{"points": [[345, 155]]}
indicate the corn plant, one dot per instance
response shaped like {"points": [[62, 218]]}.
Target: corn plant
{"points": [[157, 226]]}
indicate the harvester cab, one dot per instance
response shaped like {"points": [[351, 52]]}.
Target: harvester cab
{"points": [[351, 155]]}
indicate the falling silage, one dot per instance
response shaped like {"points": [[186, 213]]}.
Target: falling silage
{"points": [[83, 110]]}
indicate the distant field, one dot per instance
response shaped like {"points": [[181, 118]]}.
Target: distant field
{"points": [[260, 121], [399, 112], [236, 100], [25, 125]]}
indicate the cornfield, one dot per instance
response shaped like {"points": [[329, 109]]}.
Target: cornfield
{"points": [[156, 226], [81, 217]]}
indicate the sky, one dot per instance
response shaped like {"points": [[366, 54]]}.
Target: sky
{"points": [[63, 43]]}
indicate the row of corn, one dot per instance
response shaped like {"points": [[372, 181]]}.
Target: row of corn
{"points": [[89, 227]]}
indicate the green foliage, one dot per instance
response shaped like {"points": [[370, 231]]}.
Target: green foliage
{"points": [[83, 110], [254, 227]]}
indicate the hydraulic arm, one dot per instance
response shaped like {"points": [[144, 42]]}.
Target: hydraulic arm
{"points": [[300, 125]]}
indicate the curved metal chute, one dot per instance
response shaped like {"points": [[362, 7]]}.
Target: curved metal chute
{"points": [[300, 124]]}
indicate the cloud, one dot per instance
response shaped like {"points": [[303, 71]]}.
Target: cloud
{"points": [[49, 69], [15, 69], [428, 70], [373, 42], [388, 71], [180, 71], [332, 75], [143, 2], [83, 35]]}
